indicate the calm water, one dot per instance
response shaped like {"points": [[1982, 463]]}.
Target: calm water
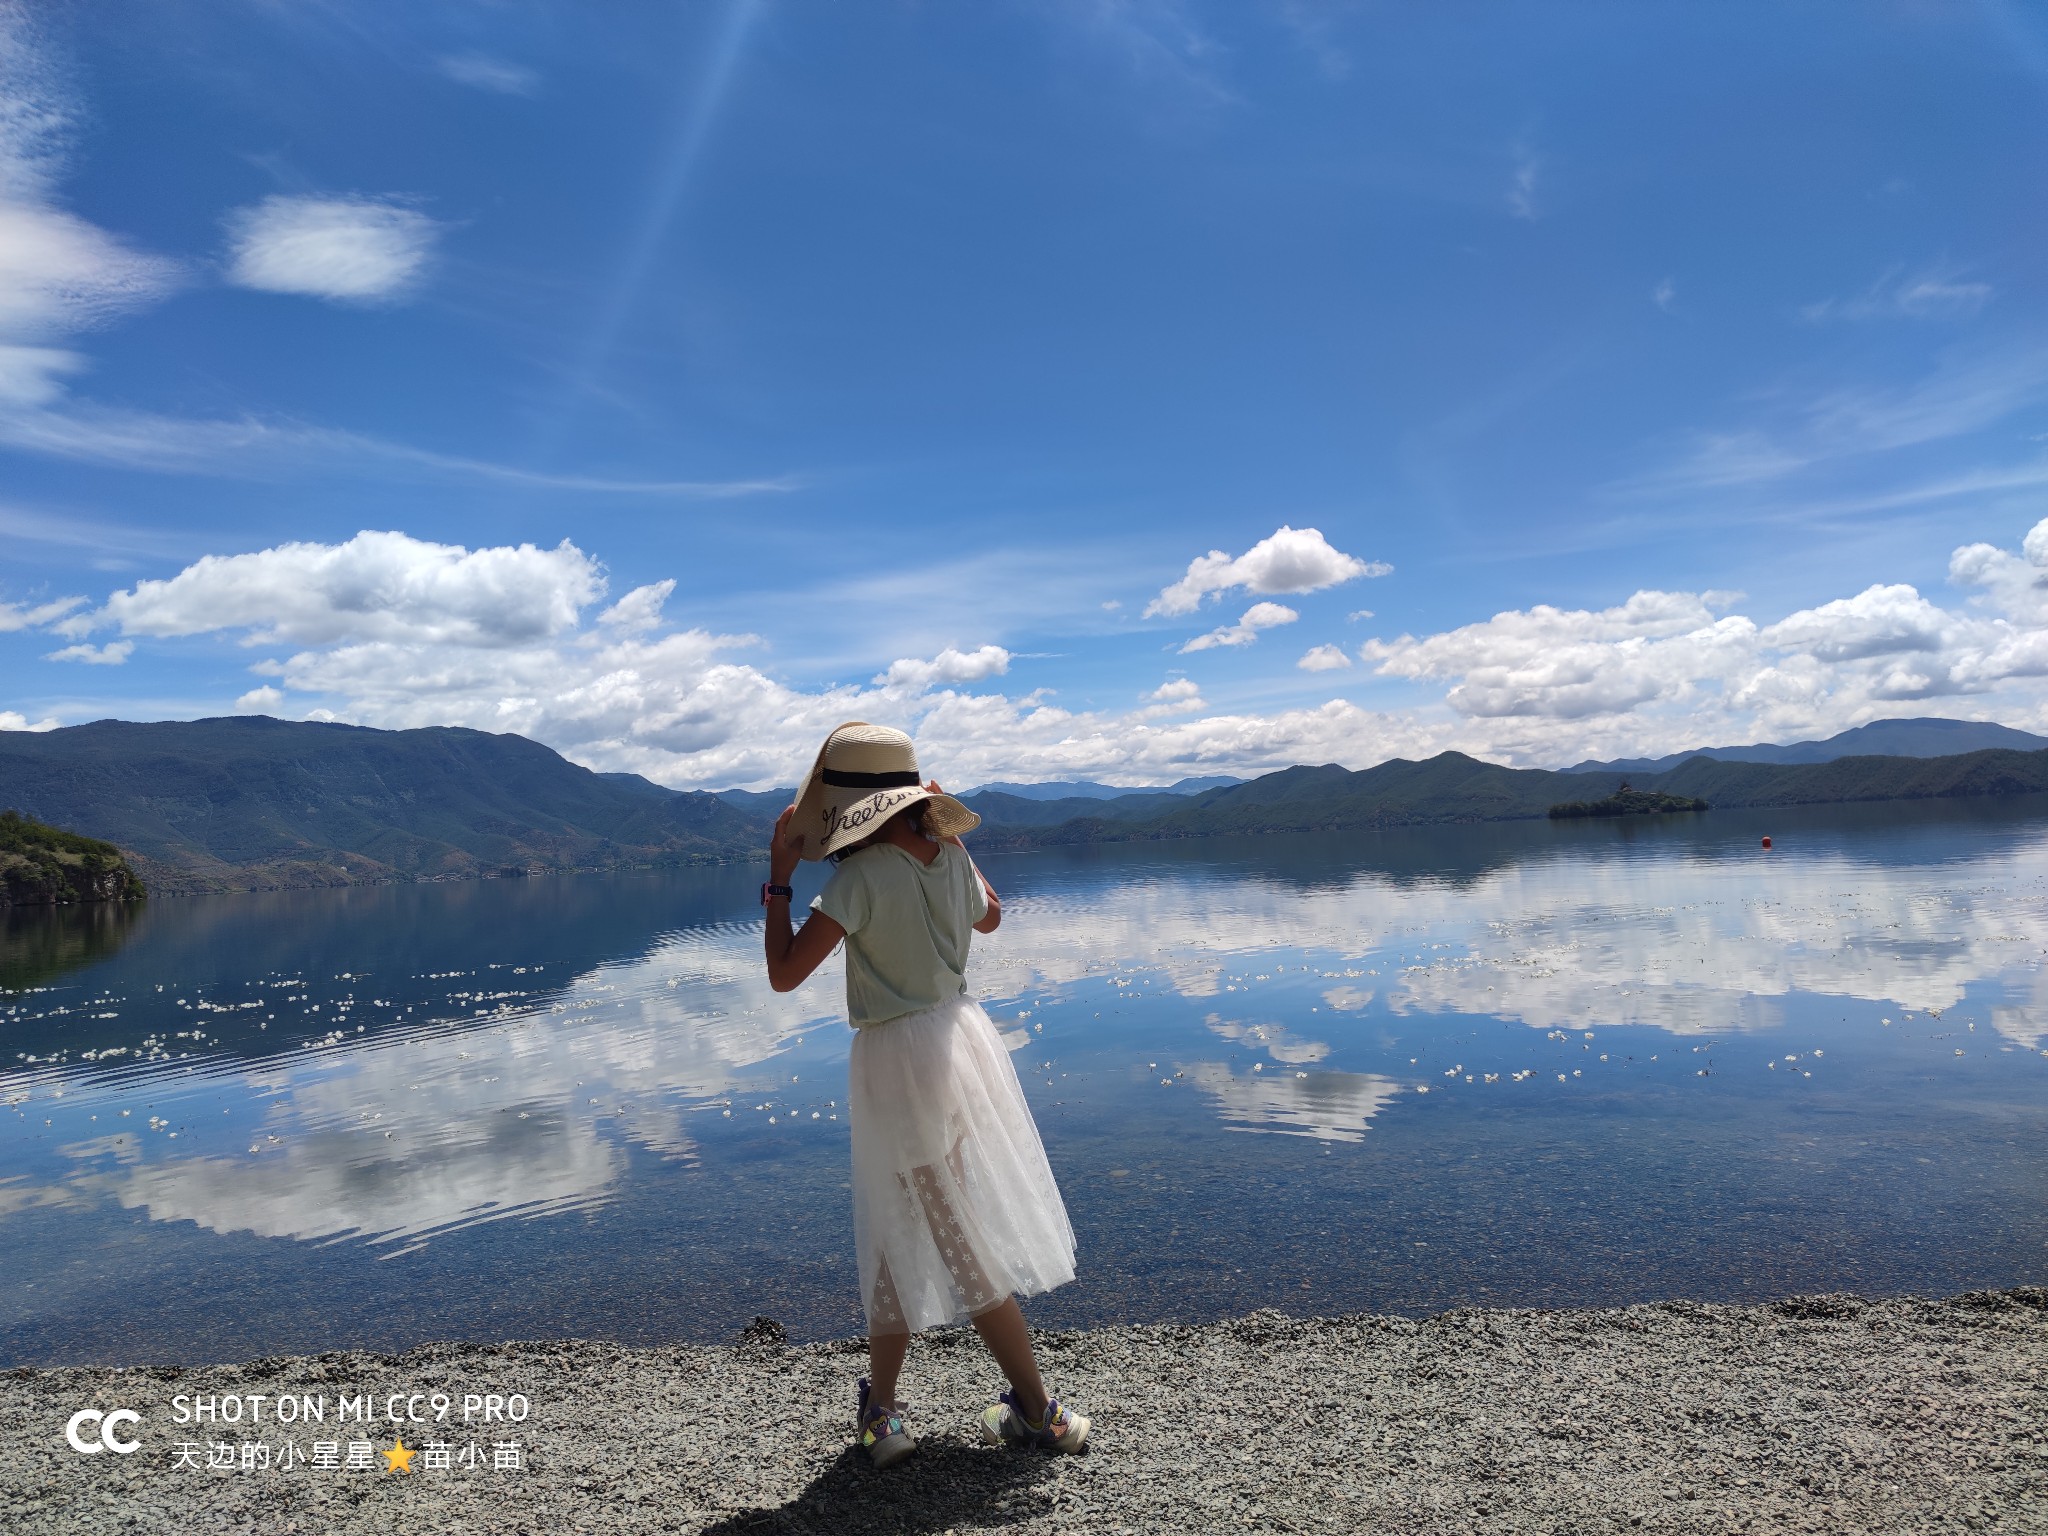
{"points": [[1509, 1065]]}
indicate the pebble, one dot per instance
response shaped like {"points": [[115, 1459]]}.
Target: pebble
{"points": [[1818, 1413]]}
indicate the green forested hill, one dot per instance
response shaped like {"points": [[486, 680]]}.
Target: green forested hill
{"points": [[42, 865], [1452, 787], [250, 802], [1994, 772]]}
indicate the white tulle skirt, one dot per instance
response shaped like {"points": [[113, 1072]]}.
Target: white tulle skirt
{"points": [[954, 1204]]}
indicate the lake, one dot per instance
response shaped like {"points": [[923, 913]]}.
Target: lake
{"points": [[1522, 1064]]}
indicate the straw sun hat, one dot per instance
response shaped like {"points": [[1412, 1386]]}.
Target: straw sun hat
{"points": [[864, 775]]}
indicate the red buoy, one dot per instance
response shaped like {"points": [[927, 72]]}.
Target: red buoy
{"points": [[1767, 842]]}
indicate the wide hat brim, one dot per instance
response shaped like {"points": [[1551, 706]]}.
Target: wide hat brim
{"points": [[831, 817]]}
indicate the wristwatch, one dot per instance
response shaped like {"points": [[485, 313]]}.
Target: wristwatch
{"points": [[768, 889]]}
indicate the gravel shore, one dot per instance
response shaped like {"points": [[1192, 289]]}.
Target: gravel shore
{"points": [[1821, 1414]]}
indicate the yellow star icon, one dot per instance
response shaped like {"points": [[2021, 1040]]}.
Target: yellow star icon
{"points": [[398, 1458]]}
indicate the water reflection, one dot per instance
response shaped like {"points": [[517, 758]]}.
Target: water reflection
{"points": [[40, 944], [403, 1070], [1693, 935], [413, 1130], [1329, 1106], [1276, 1040]]}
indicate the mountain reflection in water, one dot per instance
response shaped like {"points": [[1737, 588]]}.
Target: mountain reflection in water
{"points": [[1270, 1071]]}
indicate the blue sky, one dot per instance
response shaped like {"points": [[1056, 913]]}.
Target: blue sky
{"points": [[1552, 381]]}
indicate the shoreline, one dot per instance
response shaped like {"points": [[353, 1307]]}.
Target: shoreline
{"points": [[1819, 1413], [165, 882]]}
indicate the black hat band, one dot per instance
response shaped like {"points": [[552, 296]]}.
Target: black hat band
{"points": [[840, 779]]}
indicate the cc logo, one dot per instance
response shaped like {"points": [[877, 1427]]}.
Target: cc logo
{"points": [[104, 1426]]}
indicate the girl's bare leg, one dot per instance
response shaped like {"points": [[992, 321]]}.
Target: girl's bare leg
{"points": [[1002, 1326], [885, 1350], [1002, 1330], [885, 1364]]}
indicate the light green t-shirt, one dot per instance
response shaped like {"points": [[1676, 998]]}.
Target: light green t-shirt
{"points": [[907, 926]]}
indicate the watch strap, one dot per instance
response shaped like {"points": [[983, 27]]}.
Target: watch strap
{"points": [[770, 889]]}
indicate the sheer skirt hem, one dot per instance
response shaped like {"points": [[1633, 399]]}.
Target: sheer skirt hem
{"points": [[955, 1206]]}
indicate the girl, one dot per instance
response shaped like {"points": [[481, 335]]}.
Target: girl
{"points": [[955, 1213]]}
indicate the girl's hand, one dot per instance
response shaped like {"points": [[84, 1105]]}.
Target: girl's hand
{"points": [[933, 786], [784, 851]]}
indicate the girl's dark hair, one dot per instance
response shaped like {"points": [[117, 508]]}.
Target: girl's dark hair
{"points": [[912, 815]]}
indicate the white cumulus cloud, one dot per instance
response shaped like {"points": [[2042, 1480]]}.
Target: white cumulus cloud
{"points": [[640, 609], [375, 586], [1569, 664], [1324, 658], [1289, 560], [358, 249], [1878, 621], [1665, 670], [1246, 630], [112, 654], [391, 631], [260, 700], [949, 666], [1176, 696]]}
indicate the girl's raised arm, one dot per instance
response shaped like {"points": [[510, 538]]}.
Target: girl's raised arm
{"points": [[792, 955]]}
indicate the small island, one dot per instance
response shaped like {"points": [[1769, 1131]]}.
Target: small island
{"points": [[43, 865], [1626, 802]]}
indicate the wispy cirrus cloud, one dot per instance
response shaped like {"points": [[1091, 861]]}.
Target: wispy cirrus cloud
{"points": [[1960, 395], [260, 448], [1527, 167], [1937, 293], [487, 73], [355, 249], [59, 273], [19, 616], [1157, 39]]}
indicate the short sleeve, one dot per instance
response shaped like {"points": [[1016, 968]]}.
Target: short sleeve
{"points": [[845, 899], [977, 897]]}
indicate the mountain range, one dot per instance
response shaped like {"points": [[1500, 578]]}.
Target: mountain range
{"points": [[1088, 789], [1452, 787], [1011, 804], [1880, 738], [250, 802]]}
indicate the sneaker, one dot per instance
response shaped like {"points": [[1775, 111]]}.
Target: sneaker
{"points": [[883, 1434], [1060, 1430]]}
